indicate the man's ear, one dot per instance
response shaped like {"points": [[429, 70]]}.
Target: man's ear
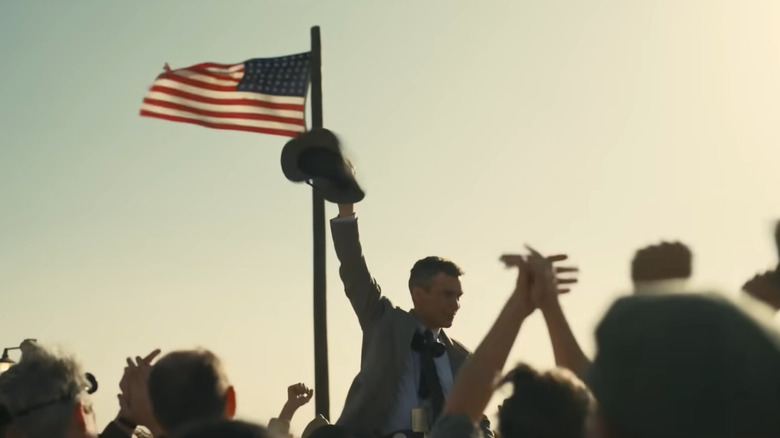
{"points": [[417, 292], [230, 403], [83, 418]]}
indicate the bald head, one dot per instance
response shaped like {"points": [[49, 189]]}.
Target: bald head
{"points": [[187, 386]]}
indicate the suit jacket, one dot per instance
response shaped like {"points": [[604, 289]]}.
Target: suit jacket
{"points": [[387, 338]]}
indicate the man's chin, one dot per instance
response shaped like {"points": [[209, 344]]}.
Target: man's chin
{"points": [[448, 323]]}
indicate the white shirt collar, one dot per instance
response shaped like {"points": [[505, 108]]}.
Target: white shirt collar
{"points": [[436, 332]]}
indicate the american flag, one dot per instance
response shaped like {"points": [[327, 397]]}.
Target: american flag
{"points": [[266, 95]]}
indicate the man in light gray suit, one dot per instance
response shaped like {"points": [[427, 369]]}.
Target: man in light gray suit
{"points": [[407, 363]]}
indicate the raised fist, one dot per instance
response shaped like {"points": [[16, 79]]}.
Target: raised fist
{"points": [[667, 261], [766, 288], [298, 395]]}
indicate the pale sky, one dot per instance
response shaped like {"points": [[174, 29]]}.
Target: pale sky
{"points": [[591, 128]]}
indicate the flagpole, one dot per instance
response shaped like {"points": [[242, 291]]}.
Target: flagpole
{"points": [[321, 381]]}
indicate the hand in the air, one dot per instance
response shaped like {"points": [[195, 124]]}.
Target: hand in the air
{"points": [[666, 261], [543, 280], [766, 288], [134, 403], [346, 210], [298, 395]]}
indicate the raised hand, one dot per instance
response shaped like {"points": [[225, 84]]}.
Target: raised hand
{"points": [[523, 283], [543, 280], [134, 403], [346, 210], [297, 396], [766, 288], [666, 261], [559, 279]]}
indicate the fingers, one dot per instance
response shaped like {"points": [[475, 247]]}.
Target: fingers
{"points": [[543, 266], [123, 383], [511, 260], [150, 357], [517, 259], [534, 253], [299, 389]]}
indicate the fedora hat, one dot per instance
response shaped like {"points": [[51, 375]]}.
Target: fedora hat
{"points": [[315, 157]]}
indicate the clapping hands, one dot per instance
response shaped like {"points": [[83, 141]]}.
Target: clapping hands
{"points": [[134, 403], [539, 280]]}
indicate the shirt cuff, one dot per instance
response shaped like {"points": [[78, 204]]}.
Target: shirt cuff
{"points": [[350, 218]]}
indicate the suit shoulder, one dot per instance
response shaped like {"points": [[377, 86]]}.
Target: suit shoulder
{"points": [[458, 346]]}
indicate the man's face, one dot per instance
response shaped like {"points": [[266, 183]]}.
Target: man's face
{"points": [[438, 304]]}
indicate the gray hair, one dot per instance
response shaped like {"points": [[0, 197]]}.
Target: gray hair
{"points": [[42, 391]]}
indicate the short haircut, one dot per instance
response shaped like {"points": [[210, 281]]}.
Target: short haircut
{"points": [[41, 392], [425, 269], [222, 429], [187, 386], [550, 404]]}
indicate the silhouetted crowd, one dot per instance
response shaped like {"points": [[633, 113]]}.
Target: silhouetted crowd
{"points": [[670, 362]]}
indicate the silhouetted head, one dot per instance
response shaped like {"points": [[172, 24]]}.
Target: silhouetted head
{"points": [[550, 404], [685, 365], [187, 386]]}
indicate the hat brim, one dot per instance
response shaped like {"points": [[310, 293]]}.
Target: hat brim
{"points": [[291, 153]]}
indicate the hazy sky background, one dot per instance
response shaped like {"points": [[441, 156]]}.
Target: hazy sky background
{"points": [[586, 127]]}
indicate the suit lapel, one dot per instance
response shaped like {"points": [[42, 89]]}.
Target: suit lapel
{"points": [[403, 339], [456, 356]]}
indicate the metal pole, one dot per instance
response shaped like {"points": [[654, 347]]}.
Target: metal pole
{"points": [[321, 381]]}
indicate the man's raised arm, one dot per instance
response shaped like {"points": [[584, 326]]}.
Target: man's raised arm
{"points": [[361, 289]]}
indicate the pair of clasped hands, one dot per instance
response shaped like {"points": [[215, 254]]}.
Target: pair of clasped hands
{"points": [[539, 280]]}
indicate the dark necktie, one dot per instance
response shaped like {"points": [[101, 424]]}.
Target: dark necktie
{"points": [[430, 387]]}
